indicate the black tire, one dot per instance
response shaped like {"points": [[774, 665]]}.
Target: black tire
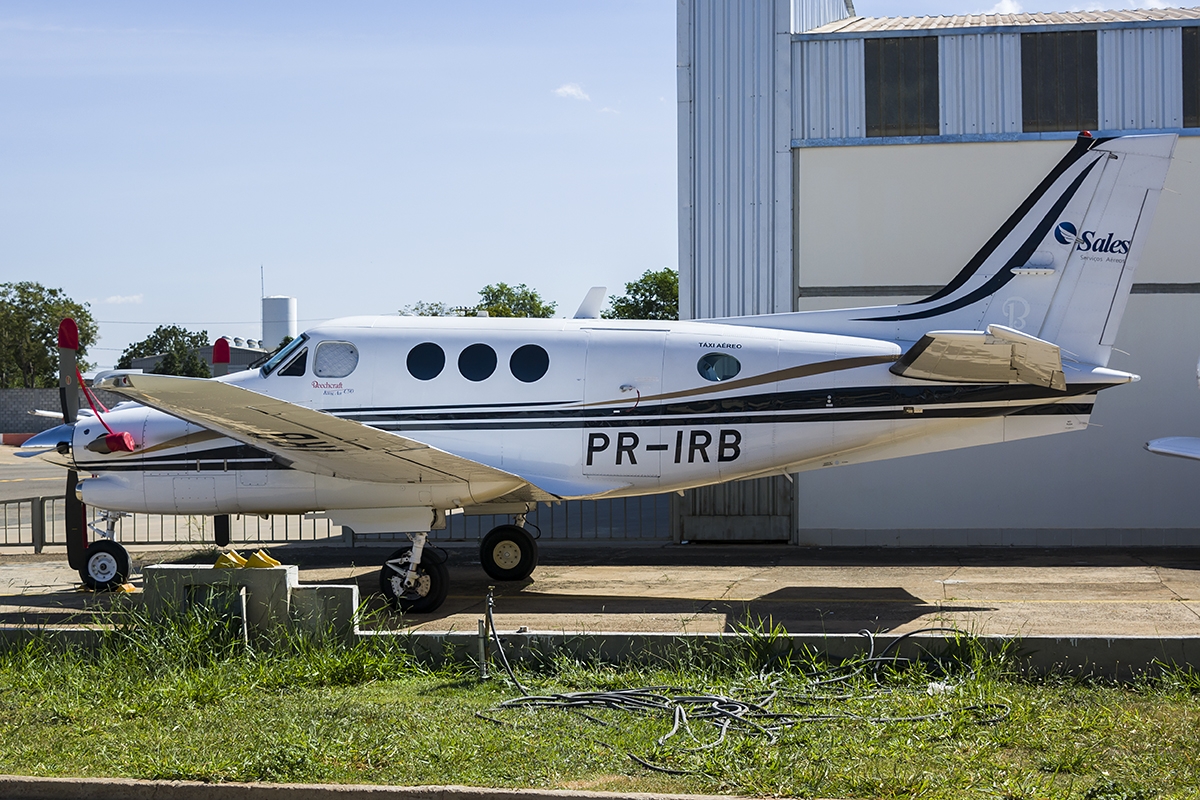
{"points": [[105, 566], [508, 553], [433, 582]]}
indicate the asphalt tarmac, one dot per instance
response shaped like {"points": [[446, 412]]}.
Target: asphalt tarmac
{"points": [[590, 588]]}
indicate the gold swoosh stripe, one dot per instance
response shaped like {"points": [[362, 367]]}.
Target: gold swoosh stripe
{"points": [[791, 373], [182, 441]]}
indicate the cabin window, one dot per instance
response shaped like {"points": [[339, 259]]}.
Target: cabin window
{"points": [[335, 359], [529, 363], [426, 361], [718, 367], [1058, 81], [901, 77], [297, 366], [1191, 77], [477, 362]]}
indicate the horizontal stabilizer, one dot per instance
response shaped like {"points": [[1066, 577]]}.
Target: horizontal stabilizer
{"points": [[997, 355], [1182, 446]]}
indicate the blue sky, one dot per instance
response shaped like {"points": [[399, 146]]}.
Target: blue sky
{"points": [[367, 155]]}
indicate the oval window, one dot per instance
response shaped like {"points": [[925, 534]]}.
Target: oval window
{"points": [[718, 367], [477, 362], [425, 361], [529, 363], [335, 359]]}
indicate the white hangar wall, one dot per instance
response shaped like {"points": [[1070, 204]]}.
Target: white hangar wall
{"points": [[869, 218], [861, 220]]}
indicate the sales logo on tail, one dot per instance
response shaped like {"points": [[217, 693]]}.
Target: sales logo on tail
{"points": [[1065, 233]]}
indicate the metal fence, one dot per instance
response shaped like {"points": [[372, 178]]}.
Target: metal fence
{"points": [[39, 522]]}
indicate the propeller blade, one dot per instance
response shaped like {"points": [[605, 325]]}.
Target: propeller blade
{"points": [[221, 529], [76, 514], [68, 396], [68, 386]]}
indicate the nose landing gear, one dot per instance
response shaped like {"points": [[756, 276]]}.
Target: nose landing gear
{"points": [[106, 564]]}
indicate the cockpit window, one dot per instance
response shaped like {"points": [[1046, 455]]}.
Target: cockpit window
{"points": [[296, 367], [284, 354], [335, 359]]}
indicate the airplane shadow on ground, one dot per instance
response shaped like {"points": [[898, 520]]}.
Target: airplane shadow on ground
{"points": [[53, 608], [798, 609]]}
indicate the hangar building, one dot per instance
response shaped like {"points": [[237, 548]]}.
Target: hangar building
{"points": [[831, 160]]}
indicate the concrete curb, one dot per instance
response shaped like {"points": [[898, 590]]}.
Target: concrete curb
{"points": [[17, 787]]}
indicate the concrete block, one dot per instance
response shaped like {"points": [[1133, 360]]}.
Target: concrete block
{"points": [[319, 611], [176, 586]]}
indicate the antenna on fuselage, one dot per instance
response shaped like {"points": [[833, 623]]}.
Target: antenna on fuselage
{"points": [[590, 307]]}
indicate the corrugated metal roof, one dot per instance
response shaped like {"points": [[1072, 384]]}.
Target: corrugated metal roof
{"points": [[966, 21]]}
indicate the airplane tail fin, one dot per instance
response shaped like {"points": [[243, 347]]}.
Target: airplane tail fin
{"points": [[1060, 268]]}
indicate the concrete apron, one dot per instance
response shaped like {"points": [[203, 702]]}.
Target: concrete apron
{"points": [[16, 787], [271, 602]]}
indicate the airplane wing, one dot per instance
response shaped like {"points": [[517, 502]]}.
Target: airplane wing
{"points": [[1182, 446], [308, 439], [998, 355]]}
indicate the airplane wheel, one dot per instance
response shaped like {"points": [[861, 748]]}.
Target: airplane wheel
{"points": [[106, 566], [508, 553], [433, 582]]}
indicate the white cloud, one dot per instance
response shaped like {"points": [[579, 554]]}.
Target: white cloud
{"points": [[607, 110], [572, 90], [1005, 7], [122, 299]]}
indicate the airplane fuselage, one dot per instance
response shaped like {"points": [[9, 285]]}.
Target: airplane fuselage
{"points": [[578, 408]]}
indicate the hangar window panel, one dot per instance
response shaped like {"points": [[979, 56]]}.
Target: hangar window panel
{"points": [[529, 363], [1191, 77], [335, 359], [1059, 90], [718, 367], [426, 361], [477, 362], [901, 86]]}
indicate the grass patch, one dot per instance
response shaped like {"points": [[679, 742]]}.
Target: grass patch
{"points": [[184, 699]]}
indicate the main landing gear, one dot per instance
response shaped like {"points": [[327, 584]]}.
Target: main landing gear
{"points": [[106, 564], [415, 579], [508, 552]]}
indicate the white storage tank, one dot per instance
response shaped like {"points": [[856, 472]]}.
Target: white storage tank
{"points": [[278, 320]]}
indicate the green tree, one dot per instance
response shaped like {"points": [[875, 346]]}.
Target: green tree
{"points": [[655, 295], [29, 317], [502, 300], [178, 348], [423, 309]]}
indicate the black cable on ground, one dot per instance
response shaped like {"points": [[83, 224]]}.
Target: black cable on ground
{"points": [[725, 713]]}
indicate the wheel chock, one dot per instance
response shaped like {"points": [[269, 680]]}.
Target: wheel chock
{"points": [[260, 559], [229, 560]]}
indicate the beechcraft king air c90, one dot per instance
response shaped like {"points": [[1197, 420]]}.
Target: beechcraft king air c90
{"points": [[386, 424]]}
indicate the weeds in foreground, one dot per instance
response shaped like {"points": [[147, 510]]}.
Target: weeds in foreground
{"points": [[185, 698]]}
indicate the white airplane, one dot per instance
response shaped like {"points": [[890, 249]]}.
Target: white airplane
{"points": [[388, 424], [1181, 446]]}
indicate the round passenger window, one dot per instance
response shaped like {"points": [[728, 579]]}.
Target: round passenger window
{"points": [[477, 362], [335, 359], [529, 363], [425, 361], [718, 367]]}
